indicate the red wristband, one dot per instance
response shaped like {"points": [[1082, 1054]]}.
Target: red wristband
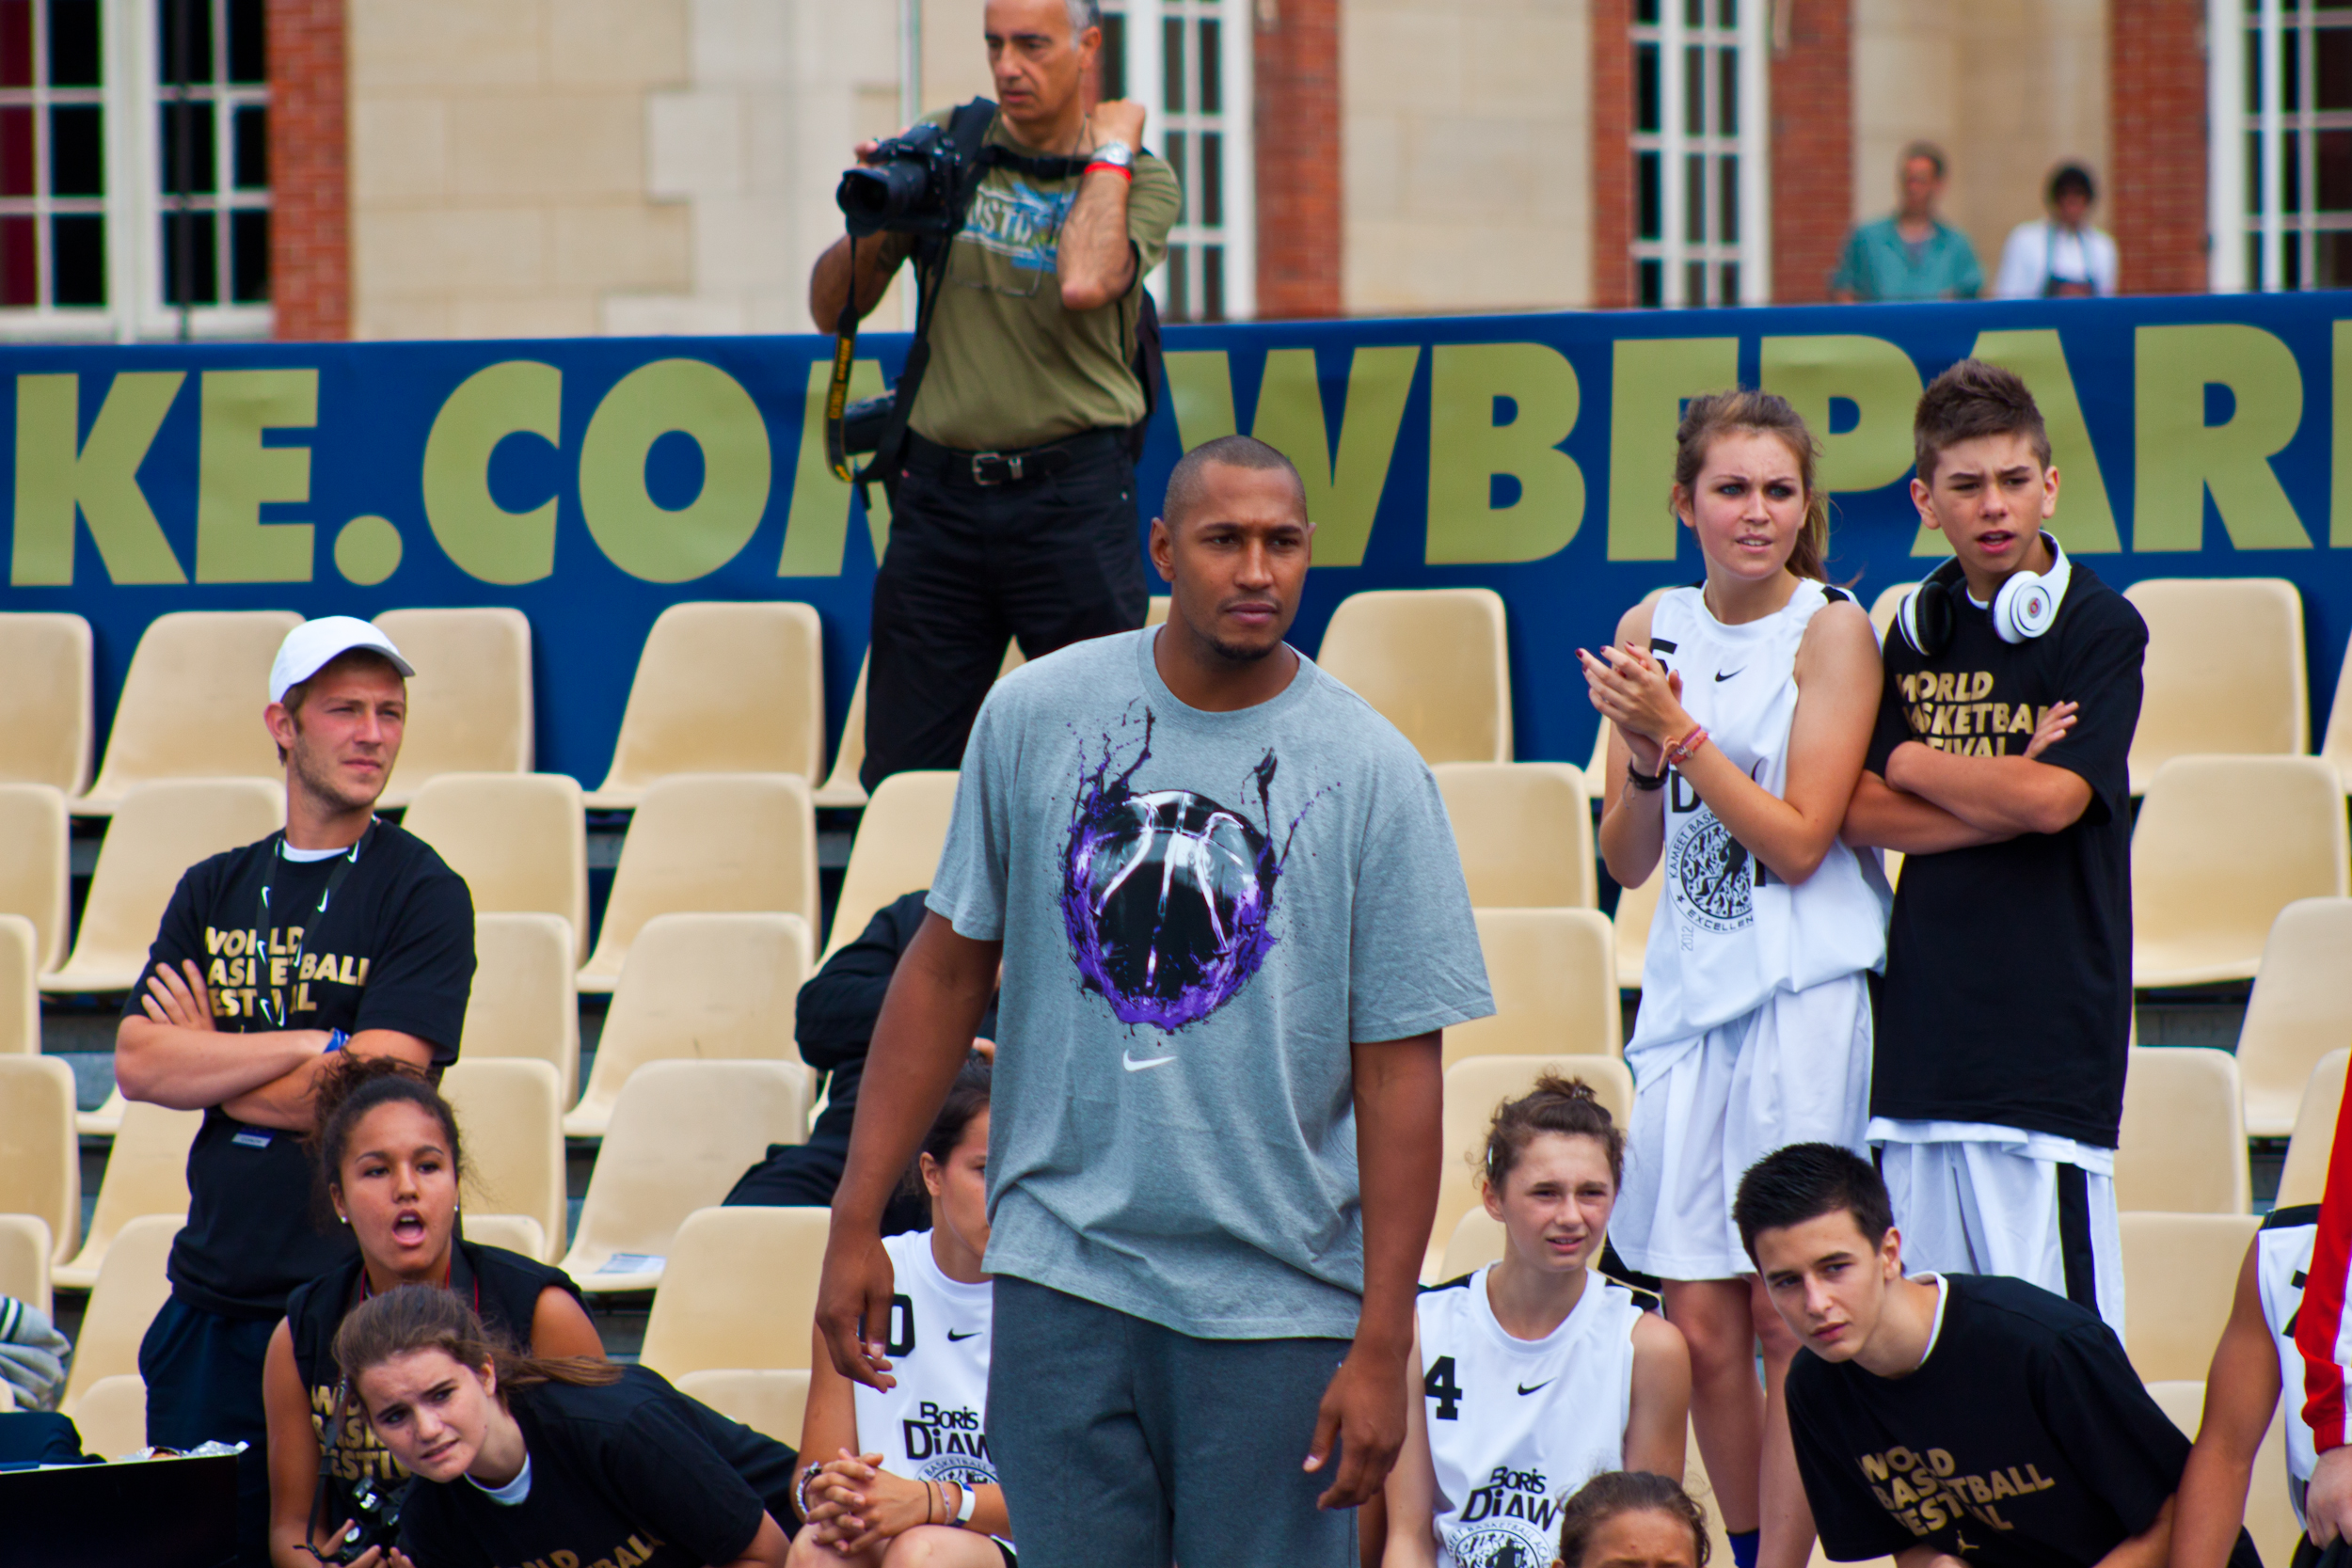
{"points": [[1681, 751], [1121, 169]]}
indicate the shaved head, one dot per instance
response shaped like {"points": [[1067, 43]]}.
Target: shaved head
{"points": [[1188, 482]]}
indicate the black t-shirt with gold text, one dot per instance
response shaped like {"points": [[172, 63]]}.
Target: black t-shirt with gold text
{"points": [[2008, 997], [393, 950]]}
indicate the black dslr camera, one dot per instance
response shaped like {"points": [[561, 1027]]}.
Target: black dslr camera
{"points": [[911, 185]]}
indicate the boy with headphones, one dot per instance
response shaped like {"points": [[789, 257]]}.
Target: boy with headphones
{"points": [[2012, 688]]}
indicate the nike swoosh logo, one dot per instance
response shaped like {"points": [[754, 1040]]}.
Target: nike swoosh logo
{"points": [[1128, 1061], [955, 1338], [1721, 677], [1546, 1383]]}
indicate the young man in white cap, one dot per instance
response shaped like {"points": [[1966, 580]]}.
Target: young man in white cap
{"points": [[340, 934]]}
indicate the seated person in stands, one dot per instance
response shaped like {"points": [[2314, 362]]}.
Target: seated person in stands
{"points": [[2256, 1359], [1632, 1519], [388, 1159], [904, 1476], [834, 1023], [1537, 1368], [519, 1459], [1950, 1418]]}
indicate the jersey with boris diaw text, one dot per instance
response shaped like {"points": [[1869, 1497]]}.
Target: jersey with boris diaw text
{"points": [[934, 1425]]}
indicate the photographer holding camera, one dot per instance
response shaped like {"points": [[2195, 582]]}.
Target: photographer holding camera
{"points": [[1012, 492]]}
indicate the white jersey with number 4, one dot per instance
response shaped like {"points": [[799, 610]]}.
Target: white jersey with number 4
{"points": [[1516, 1426], [2283, 1263], [933, 1426]]}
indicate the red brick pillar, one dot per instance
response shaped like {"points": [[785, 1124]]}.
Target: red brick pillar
{"points": [[1300, 234], [2155, 193], [1812, 134], [1612, 155], [311, 216]]}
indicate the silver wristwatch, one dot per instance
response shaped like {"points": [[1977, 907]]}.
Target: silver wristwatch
{"points": [[1116, 154]]}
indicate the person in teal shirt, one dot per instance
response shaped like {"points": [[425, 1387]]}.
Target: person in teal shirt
{"points": [[1913, 254]]}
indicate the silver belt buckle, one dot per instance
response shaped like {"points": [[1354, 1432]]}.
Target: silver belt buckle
{"points": [[981, 476]]}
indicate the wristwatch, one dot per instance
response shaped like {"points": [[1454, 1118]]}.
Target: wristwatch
{"points": [[1116, 154]]}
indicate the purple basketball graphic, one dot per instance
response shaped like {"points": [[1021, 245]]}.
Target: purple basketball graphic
{"points": [[1166, 896]]}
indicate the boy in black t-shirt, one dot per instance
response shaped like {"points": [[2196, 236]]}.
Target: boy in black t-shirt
{"points": [[1966, 1417], [2012, 687], [341, 933]]}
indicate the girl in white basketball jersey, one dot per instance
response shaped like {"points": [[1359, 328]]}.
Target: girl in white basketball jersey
{"points": [[1739, 712], [1535, 1374], [904, 1476]]}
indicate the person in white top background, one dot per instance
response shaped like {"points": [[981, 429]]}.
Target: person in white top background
{"points": [[1739, 712], [903, 1475], [2064, 256], [1533, 1374]]}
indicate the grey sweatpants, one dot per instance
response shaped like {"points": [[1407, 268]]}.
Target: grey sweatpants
{"points": [[1122, 1444]]}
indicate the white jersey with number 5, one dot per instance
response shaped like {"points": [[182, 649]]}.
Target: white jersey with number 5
{"points": [[933, 1426], [1516, 1426]]}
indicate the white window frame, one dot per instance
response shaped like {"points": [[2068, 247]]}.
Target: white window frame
{"points": [[1234, 124], [2284, 139], [1673, 142]]}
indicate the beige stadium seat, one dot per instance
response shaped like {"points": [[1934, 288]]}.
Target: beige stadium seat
{"points": [[20, 987], [469, 706], [1473, 1087], [698, 986], [2224, 673], [147, 1173], [2300, 1010], [158, 832], [2182, 1148], [2270, 1517], [191, 705], [106, 1121], [112, 1415], [722, 688], [2304, 1177], [131, 1290], [1524, 830], [47, 723], [35, 880], [1555, 978], [681, 1134], [521, 840], [1432, 661], [517, 1233], [773, 1403], [740, 1291], [896, 850], [2336, 742], [24, 1248], [41, 1155], [523, 1003], [2222, 845], [1476, 1240], [841, 786], [512, 1128], [710, 844], [2180, 1277], [1636, 907], [1883, 609]]}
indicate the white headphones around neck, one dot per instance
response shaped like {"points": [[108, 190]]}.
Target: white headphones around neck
{"points": [[2025, 607]]}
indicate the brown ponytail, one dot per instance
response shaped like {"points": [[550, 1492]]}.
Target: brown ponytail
{"points": [[1721, 413], [1556, 1104]]}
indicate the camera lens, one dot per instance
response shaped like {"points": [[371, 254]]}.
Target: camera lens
{"points": [[880, 194]]}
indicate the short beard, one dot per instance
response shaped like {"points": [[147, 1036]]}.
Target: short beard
{"points": [[1235, 653], [322, 786]]}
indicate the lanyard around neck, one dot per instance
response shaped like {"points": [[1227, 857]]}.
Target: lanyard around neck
{"points": [[271, 1009]]}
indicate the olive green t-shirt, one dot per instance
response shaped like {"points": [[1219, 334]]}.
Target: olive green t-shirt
{"points": [[1009, 367]]}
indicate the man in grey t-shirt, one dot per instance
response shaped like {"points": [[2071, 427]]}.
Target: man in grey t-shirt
{"points": [[1233, 928]]}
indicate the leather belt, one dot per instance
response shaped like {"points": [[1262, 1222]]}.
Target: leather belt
{"points": [[1001, 470]]}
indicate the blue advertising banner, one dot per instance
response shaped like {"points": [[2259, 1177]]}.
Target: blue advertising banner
{"points": [[591, 483]]}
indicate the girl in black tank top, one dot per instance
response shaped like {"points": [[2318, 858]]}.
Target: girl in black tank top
{"points": [[388, 1158]]}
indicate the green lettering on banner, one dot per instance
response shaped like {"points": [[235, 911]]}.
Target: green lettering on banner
{"points": [[235, 475], [1648, 380], [2086, 519], [1467, 447], [1877, 376], [817, 524], [636, 533], [56, 474], [489, 543], [2339, 444], [1343, 491], [2180, 457]]}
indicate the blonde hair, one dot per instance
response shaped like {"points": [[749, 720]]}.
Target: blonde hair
{"points": [[1720, 414]]}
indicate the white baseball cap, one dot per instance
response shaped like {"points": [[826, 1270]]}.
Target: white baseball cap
{"points": [[312, 645]]}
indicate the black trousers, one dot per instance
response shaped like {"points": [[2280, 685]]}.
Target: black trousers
{"points": [[1050, 561]]}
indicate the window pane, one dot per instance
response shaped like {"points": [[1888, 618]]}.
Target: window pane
{"points": [[249, 169], [2333, 267], [16, 150], [248, 257], [187, 165], [1694, 13], [1694, 91], [2253, 71], [1727, 197], [1731, 284], [1653, 283], [1176, 151], [2291, 69], [1213, 283], [183, 43], [1178, 282], [2291, 255], [190, 246], [1645, 89], [249, 38], [20, 262], [77, 255], [1212, 68], [1694, 282], [1727, 13], [1212, 177], [2290, 174], [73, 44], [2331, 152], [1727, 100], [1114, 55], [1173, 65], [2253, 173], [77, 162], [1650, 201], [16, 45], [1694, 198], [1645, 11], [2331, 68]]}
